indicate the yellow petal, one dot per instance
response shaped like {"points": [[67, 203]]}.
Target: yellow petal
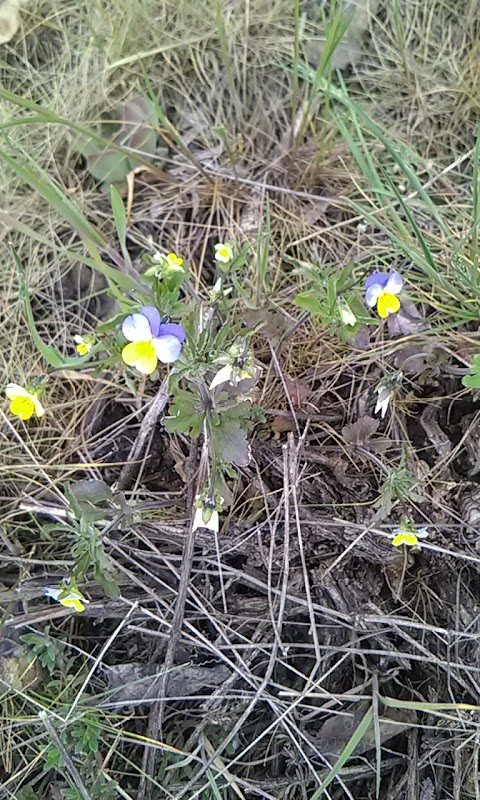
{"points": [[177, 261], [405, 538], [72, 602], [22, 407], [140, 355], [387, 304]]}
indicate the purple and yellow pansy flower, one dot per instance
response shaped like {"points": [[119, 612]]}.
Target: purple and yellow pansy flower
{"points": [[382, 290], [150, 340]]}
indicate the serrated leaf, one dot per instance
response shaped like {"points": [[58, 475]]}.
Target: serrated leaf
{"points": [[230, 443], [186, 415]]}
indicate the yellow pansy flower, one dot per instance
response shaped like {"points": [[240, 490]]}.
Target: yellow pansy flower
{"points": [[83, 345], [23, 403], [405, 537], [70, 599], [408, 535], [169, 260], [150, 340], [381, 290], [223, 253]]}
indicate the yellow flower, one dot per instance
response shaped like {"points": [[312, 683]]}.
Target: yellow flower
{"points": [[82, 346], [223, 253], [174, 260], [409, 535], [404, 537], [23, 404], [171, 261], [70, 599], [73, 602]]}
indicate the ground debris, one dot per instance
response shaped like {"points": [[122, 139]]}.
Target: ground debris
{"points": [[336, 731], [133, 683], [427, 790]]}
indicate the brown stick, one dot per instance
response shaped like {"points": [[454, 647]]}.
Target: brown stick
{"points": [[157, 711], [129, 470]]}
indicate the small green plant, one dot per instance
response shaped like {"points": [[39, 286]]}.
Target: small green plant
{"points": [[44, 648], [332, 296], [472, 380], [27, 793], [210, 383], [70, 757], [398, 485]]}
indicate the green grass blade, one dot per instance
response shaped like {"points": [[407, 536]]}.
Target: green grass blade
{"points": [[90, 235], [39, 180], [51, 356], [377, 737], [347, 751], [475, 211], [120, 219]]}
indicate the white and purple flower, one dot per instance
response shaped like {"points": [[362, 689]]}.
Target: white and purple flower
{"points": [[150, 340], [381, 290]]}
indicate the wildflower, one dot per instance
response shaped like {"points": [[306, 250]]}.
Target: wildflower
{"points": [[166, 265], [216, 292], [346, 314], [83, 345], [23, 403], [382, 290], [67, 596], [206, 514], [383, 400], [408, 534], [171, 260], [239, 367], [206, 518], [150, 340], [386, 390], [223, 253]]}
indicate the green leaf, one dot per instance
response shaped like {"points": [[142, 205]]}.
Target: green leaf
{"points": [[230, 442], [186, 414], [471, 381], [108, 166], [309, 303]]}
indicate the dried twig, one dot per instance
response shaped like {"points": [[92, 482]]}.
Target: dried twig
{"points": [[129, 470]]}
